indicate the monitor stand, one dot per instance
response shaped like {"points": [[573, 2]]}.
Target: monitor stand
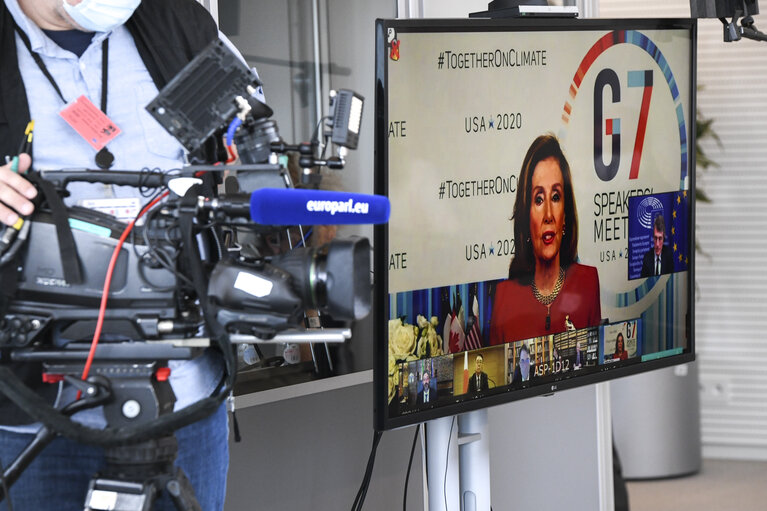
{"points": [[457, 452], [464, 484]]}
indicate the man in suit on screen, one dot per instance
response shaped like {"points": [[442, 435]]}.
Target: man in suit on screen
{"points": [[658, 260], [478, 382], [522, 371], [427, 394]]}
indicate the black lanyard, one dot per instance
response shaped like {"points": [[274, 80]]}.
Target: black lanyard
{"points": [[104, 158]]}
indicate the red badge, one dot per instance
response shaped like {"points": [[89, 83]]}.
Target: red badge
{"points": [[91, 123]]}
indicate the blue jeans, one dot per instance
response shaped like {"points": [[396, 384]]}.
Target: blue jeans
{"points": [[57, 480]]}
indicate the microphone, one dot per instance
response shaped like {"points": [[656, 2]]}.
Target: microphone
{"points": [[290, 206]]}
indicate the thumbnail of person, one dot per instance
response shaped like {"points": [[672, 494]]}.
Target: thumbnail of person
{"points": [[522, 371], [620, 348], [580, 356], [545, 284], [478, 382], [658, 260], [427, 394], [555, 356]]}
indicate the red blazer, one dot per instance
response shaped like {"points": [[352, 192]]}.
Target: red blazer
{"points": [[623, 355], [517, 315]]}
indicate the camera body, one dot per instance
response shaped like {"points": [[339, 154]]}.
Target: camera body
{"points": [[181, 280], [44, 300]]}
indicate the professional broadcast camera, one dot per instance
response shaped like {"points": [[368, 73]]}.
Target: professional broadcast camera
{"points": [[176, 280]]}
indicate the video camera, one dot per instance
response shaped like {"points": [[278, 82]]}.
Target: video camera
{"points": [[178, 279], [149, 297]]}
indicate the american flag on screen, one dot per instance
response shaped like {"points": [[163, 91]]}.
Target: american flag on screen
{"points": [[473, 334]]}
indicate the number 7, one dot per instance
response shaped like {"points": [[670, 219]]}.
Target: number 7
{"points": [[640, 79]]}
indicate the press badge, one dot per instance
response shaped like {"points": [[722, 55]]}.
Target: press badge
{"points": [[89, 122], [124, 209]]}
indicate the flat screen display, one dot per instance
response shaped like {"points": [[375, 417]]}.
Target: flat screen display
{"points": [[541, 179]]}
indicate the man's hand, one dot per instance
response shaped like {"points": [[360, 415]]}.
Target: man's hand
{"points": [[15, 191]]}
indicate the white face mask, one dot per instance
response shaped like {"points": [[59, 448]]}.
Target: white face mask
{"points": [[101, 15]]}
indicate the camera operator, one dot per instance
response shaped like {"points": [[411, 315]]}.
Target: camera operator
{"points": [[118, 54]]}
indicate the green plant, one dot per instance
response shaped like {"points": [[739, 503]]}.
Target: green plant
{"points": [[703, 130]]}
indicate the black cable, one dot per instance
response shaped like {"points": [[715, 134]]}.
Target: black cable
{"points": [[409, 465], [359, 500], [144, 175], [368, 471], [158, 254], [315, 135], [216, 242], [6, 491], [447, 459]]}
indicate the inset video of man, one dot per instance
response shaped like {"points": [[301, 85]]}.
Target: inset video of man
{"points": [[657, 260], [478, 382]]}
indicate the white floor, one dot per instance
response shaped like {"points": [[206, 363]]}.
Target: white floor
{"points": [[721, 485]]}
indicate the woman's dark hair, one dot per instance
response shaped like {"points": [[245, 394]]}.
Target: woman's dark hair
{"points": [[620, 338], [522, 266]]}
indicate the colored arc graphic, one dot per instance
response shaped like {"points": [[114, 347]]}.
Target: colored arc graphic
{"points": [[640, 40]]}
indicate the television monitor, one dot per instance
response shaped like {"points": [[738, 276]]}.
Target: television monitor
{"points": [[541, 179]]}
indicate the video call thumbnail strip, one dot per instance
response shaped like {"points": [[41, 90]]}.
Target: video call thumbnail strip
{"points": [[427, 382]]}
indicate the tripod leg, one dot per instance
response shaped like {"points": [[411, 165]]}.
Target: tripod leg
{"points": [[182, 493], [13, 472]]}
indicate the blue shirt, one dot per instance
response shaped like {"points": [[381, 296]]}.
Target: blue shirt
{"points": [[143, 143]]}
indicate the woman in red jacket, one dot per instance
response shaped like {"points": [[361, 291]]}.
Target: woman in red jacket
{"points": [[546, 288]]}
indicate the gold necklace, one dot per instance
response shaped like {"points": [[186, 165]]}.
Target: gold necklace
{"points": [[548, 299]]}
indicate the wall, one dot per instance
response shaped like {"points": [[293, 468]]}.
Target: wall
{"points": [[310, 453], [731, 234]]}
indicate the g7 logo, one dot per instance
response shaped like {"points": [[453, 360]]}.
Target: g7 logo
{"points": [[612, 127]]}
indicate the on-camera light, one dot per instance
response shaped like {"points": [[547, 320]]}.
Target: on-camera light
{"points": [[347, 118]]}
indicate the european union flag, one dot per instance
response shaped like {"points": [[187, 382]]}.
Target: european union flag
{"points": [[679, 239]]}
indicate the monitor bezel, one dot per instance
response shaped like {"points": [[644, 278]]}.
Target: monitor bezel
{"points": [[380, 257]]}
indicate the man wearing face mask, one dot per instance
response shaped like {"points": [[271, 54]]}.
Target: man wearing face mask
{"points": [[117, 54]]}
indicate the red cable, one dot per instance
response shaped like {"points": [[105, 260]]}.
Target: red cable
{"points": [[108, 282], [232, 156]]}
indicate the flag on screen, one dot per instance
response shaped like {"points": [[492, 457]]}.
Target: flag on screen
{"points": [[465, 371], [473, 335], [679, 235], [457, 336], [445, 313], [446, 332], [457, 333]]}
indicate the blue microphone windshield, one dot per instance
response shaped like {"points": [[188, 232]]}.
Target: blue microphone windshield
{"points": [[289, 206]]}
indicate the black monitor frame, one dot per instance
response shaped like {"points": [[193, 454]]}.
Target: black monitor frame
{"points": [[381, 256]]}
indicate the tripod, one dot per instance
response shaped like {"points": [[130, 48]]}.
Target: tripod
{"points": [[136, 473], [135, 476]]}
